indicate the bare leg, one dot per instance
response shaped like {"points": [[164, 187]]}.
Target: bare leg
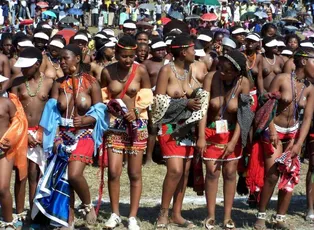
{"points": [[6, 167], [33, 177], [171, 181], [80, 186], [135, 176], [179, 194], [213, 169], [19, 192], [114, 172], [271, 178], [309, 182], [229, 170], [150, 148]]}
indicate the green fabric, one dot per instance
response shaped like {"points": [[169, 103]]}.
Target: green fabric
{"points": [[207, 2], [169, 129]]}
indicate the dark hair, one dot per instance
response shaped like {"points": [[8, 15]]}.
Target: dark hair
{"points": [[100, 46], [300, 54], [19, 37], [141, 32], [142, 44], [5, 36], [291, 36], [77, 52], [266, 27], [267, 40], [239, 58], [125, 41], [180, 40], [217, 34], [32, 52], [60, 38]]}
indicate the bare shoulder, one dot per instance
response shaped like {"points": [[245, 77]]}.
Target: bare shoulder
{"points": [[3, 58], [6, 103], [141, 69]]}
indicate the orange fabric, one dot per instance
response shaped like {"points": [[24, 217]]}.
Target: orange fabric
{"points": [[87, 81], [17, 137]]}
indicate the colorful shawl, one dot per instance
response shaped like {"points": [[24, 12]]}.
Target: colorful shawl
{"points": [[53, 191], [245, 117], [290, 171], [266, 113]]}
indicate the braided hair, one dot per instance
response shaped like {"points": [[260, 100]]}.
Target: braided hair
{"points": [[180, 43], [238, 60]]}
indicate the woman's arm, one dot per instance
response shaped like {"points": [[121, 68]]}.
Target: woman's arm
{"points": [[260, 80], [306, 123], [162, 80]]}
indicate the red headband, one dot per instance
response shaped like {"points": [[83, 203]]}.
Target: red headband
{"points": [[127, 47], [183, 46]]}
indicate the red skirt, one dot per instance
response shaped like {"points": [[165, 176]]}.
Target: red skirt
{"points": [[254, 105], [170, 148], [216, 144], [79, 142]]}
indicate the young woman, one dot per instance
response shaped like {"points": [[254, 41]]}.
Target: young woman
{"points": [[77, 125], [220, 131], [54, 48], [142, 52], [284, 133], [272, 63], [269, 30], [126, 85], [309, 216], [292, 42], [175, 102], [13, 148], [104, 57], [142, 37]]}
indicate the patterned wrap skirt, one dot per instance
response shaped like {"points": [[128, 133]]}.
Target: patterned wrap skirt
{"points": [[118, 139], [79, 144]]}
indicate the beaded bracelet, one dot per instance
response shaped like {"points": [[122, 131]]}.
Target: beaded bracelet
{"points": [[137, 113]]}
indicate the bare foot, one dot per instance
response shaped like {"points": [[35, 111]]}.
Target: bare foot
{"points": [[260, 224], [91, 217]]}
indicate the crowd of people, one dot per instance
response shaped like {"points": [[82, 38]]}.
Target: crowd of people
{"points": [[237, 98]]}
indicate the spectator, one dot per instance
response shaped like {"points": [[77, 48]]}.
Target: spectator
{"points": [[32, 8], [86, 10], [158, 9], [123, 16], [104, 12], [5, 11], [112, 10], [95, 13]]}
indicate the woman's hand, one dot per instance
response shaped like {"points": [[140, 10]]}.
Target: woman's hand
{"points": [[32, 142], [194, 104], [130, 116], [229, 149], [273, 138], [5, 144], [78, 121], [56, 145], [294, 149], [201, 145]]}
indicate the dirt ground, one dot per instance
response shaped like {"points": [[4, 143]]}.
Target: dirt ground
{"points": [[194, 208]]}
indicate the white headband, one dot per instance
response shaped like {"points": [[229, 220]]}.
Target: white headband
{"points": [[286, 52], [272, 43], [81, 37], [281, 43], [239, 31], [307, 44], [26, 43], [129, 25], [253, 37], [42, 36], [100, 36], [204, 37], [56, 43], [159, 44]]}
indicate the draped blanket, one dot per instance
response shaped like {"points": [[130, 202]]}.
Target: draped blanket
{"points": [[53, 190]]}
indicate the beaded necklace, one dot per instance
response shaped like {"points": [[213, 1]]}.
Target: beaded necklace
{"points": [[31, 94]]}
